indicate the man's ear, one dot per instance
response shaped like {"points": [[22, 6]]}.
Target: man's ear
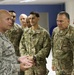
{"points": [[38, 18]]}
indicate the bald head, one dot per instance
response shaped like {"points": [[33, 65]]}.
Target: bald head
{"points": [[24, 15], [5, 20], [3, 12], [22, 19]]}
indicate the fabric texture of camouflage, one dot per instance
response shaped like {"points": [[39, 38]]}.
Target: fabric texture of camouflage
{"points": [[14, 34], [63, 51], [36, 43], [8, 59]]}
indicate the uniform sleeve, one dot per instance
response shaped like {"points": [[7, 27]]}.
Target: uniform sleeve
{"points": [[22, 46], [0, 56], [53, 59], [45, 50], [72, 44], [8, 66]]}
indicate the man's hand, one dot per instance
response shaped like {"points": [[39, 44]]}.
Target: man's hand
{"points": [[24, 67], [72, 72], [31, 58], [53, 68], [25, 60]]}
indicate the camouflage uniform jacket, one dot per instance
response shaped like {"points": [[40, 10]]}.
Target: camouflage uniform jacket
{"points": [[14, 34], [37, 43], [62, 48], [8, 59]]}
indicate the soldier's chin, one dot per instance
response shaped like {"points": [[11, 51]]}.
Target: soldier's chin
{"points": [[7, 29], [10, 27], [32, 24], [60, 28]]}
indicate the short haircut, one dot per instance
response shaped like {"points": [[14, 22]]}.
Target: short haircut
{"points": [[35, 13], [65, 13], [12, 11]]}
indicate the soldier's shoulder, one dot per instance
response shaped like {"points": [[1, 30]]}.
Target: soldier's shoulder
{"points": [[43, 29], [71, 27], [17, 26], [2, 38], [71, 30], [26, 29], [56, 29], [71, 33]]}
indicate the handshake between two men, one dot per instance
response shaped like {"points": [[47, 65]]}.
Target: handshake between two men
{"points": [[26, 62]]}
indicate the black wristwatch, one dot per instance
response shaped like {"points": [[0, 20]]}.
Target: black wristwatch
{"points": [[34, 58]]}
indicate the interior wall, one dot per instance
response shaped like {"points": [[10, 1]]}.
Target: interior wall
{"points": [[52, 11], [43, 21], [70, 9]]}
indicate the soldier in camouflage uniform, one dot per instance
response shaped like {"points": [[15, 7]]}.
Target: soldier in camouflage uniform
{"points": [[62, 45], [8, 59], [28, 22], [22, 19], [14, 34], [35, 43]]}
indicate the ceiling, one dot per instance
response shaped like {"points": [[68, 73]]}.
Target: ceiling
{"points": [[32, 1]]}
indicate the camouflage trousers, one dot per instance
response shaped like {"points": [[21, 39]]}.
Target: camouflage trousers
{"points": [[21, 73], [62, 73], [37, 70], [63, 68]]}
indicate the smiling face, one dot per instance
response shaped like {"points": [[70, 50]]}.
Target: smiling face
{"points": [[5, 20], [33, 19]]}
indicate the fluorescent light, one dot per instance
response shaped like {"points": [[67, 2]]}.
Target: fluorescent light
{"points": [[27, 1]]}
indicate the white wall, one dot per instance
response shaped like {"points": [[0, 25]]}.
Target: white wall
{"points": [[43, 21], [70, 10]]}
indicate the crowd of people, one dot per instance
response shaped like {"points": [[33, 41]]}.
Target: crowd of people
{"points": [[25, 47]]}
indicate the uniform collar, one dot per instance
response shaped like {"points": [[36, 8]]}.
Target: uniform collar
{"points": [[63, 32], [35, 31]]}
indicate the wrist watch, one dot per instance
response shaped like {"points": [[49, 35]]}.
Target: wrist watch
{"points": [[34, 58]]}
